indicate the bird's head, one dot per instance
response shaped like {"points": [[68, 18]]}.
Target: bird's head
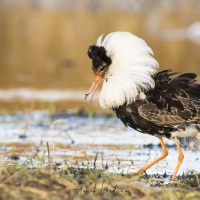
{"points": [[100, 65], [125, 64], [100, 61]]}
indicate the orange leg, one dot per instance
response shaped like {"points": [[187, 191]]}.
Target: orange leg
{"points": [[180, 159], [143, 169]]}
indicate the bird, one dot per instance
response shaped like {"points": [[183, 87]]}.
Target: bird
{"points": [[164, 104]]}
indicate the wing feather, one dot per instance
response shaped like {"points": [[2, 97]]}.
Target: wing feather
{"points": [[150, 112], [173, 101]]}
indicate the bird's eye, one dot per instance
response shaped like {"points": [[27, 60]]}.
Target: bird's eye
{"points": [[101, 69]]}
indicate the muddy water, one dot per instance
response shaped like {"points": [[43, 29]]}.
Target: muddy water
{"points": [[75, 141]]}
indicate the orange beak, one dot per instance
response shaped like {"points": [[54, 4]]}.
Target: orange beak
{"points": [[97, 80]]}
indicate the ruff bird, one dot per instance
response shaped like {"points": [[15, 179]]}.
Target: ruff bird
{"points": [[162, 104]]}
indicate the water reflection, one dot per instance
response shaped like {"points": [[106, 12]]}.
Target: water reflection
{"points": [[42, 95]]}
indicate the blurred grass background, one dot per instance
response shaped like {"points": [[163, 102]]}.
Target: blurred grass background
{"points": [[43, 44]]}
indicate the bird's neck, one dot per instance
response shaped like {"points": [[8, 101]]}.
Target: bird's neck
{"points": [[125, 86]]}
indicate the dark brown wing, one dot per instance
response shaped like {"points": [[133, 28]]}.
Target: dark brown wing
{"points": [[161, 117], [173, 101], [174, 91]]}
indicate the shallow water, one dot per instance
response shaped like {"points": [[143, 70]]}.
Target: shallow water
{"points": [[50, 95], [76, 140]]}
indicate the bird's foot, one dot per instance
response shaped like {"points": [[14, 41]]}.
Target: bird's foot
{"points": [[139, 172]]}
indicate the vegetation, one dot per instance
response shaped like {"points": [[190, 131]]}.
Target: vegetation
{"points": [[18, 181], [47, 48], [79, 176]]}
